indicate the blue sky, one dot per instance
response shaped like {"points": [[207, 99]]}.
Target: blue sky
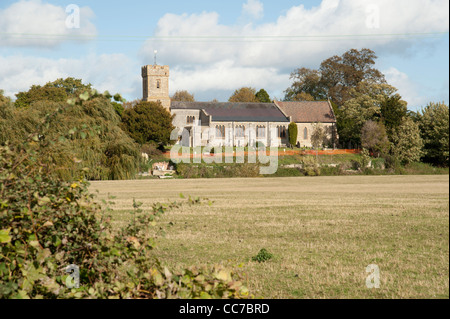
{"points": [[215, 47]]}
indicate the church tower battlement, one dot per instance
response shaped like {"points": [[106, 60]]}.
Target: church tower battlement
{"points": [[155, 81]]}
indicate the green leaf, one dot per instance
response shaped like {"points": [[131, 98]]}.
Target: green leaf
{"points": [[84, 96], [158, 279], [204, 295], [34, 243], [4, 236], [223, 275], [44, 200], [21, 295]]}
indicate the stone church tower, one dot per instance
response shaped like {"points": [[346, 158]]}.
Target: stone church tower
{"points": [[155, 80]]}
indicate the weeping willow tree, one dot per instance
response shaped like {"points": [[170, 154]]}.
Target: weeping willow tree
{"points": [[81, 137]]}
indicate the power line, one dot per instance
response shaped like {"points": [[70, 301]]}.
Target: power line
{"points": [[231, 38]]}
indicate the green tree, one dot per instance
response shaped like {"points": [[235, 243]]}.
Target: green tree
{"points": [[148, 122], [262, 96], [244, 94], [6, 118], [293, 132], [118, 107], [38, 93], [90, 142], [339, 74], [318, 135], [72, 86], [183, 96], [434, 128], [374, 138], [335, 78], [393, 111], [3, 98], [303, 97], [364, 104], [306, 84], [56, 91], [406, 142]]}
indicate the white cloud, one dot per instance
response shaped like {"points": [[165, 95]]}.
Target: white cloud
{"points": [[225, 75], [406, 88], [301, 34], [193, 44], [113, 72], [36, 23], [253, 8]]}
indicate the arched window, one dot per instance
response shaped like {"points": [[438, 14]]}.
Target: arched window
{"points": [[305, 133], [281, 131], [158, 84], [260, 131], [220, 131], [240, 131], [190, 119]]}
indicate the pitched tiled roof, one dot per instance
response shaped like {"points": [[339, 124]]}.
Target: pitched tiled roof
{"points": [[308, 111], [238, 112]]}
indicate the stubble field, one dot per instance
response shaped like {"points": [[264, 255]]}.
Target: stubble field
{"points": [[322, 231]]}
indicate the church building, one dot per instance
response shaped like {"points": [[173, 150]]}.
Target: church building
{"points": [[238, 124]]}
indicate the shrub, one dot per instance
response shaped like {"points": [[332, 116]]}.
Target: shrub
{"points": [[355, 164], [330, 171], [218, 171], [47, 224], [151, 149], [293, 132], [391, 162], [262, 256], [310, 166], [378, 163], [286, 172], [365, 159]]}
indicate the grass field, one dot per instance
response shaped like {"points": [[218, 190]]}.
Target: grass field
{"points": [[322, 231]]}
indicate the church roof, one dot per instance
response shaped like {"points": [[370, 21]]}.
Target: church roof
{"points": [[308, 111], [237, 112]]}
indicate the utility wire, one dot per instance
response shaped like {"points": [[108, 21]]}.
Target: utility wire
{"points": [[232, 38]]}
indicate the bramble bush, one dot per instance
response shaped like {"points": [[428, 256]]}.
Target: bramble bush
{"points": [[310, 166], [47, 224]]}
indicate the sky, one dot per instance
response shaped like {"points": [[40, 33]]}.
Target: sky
{"points": [[216, 47]]}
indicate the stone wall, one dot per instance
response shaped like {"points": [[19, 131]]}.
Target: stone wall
{"points": [[330, 137], [202, 135]]}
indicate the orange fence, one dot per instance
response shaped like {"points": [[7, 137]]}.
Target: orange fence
{"points": [[324, 152], [282, 153]]}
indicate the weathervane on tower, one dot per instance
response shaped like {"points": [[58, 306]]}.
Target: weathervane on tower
{"points": [[156, 51]]}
